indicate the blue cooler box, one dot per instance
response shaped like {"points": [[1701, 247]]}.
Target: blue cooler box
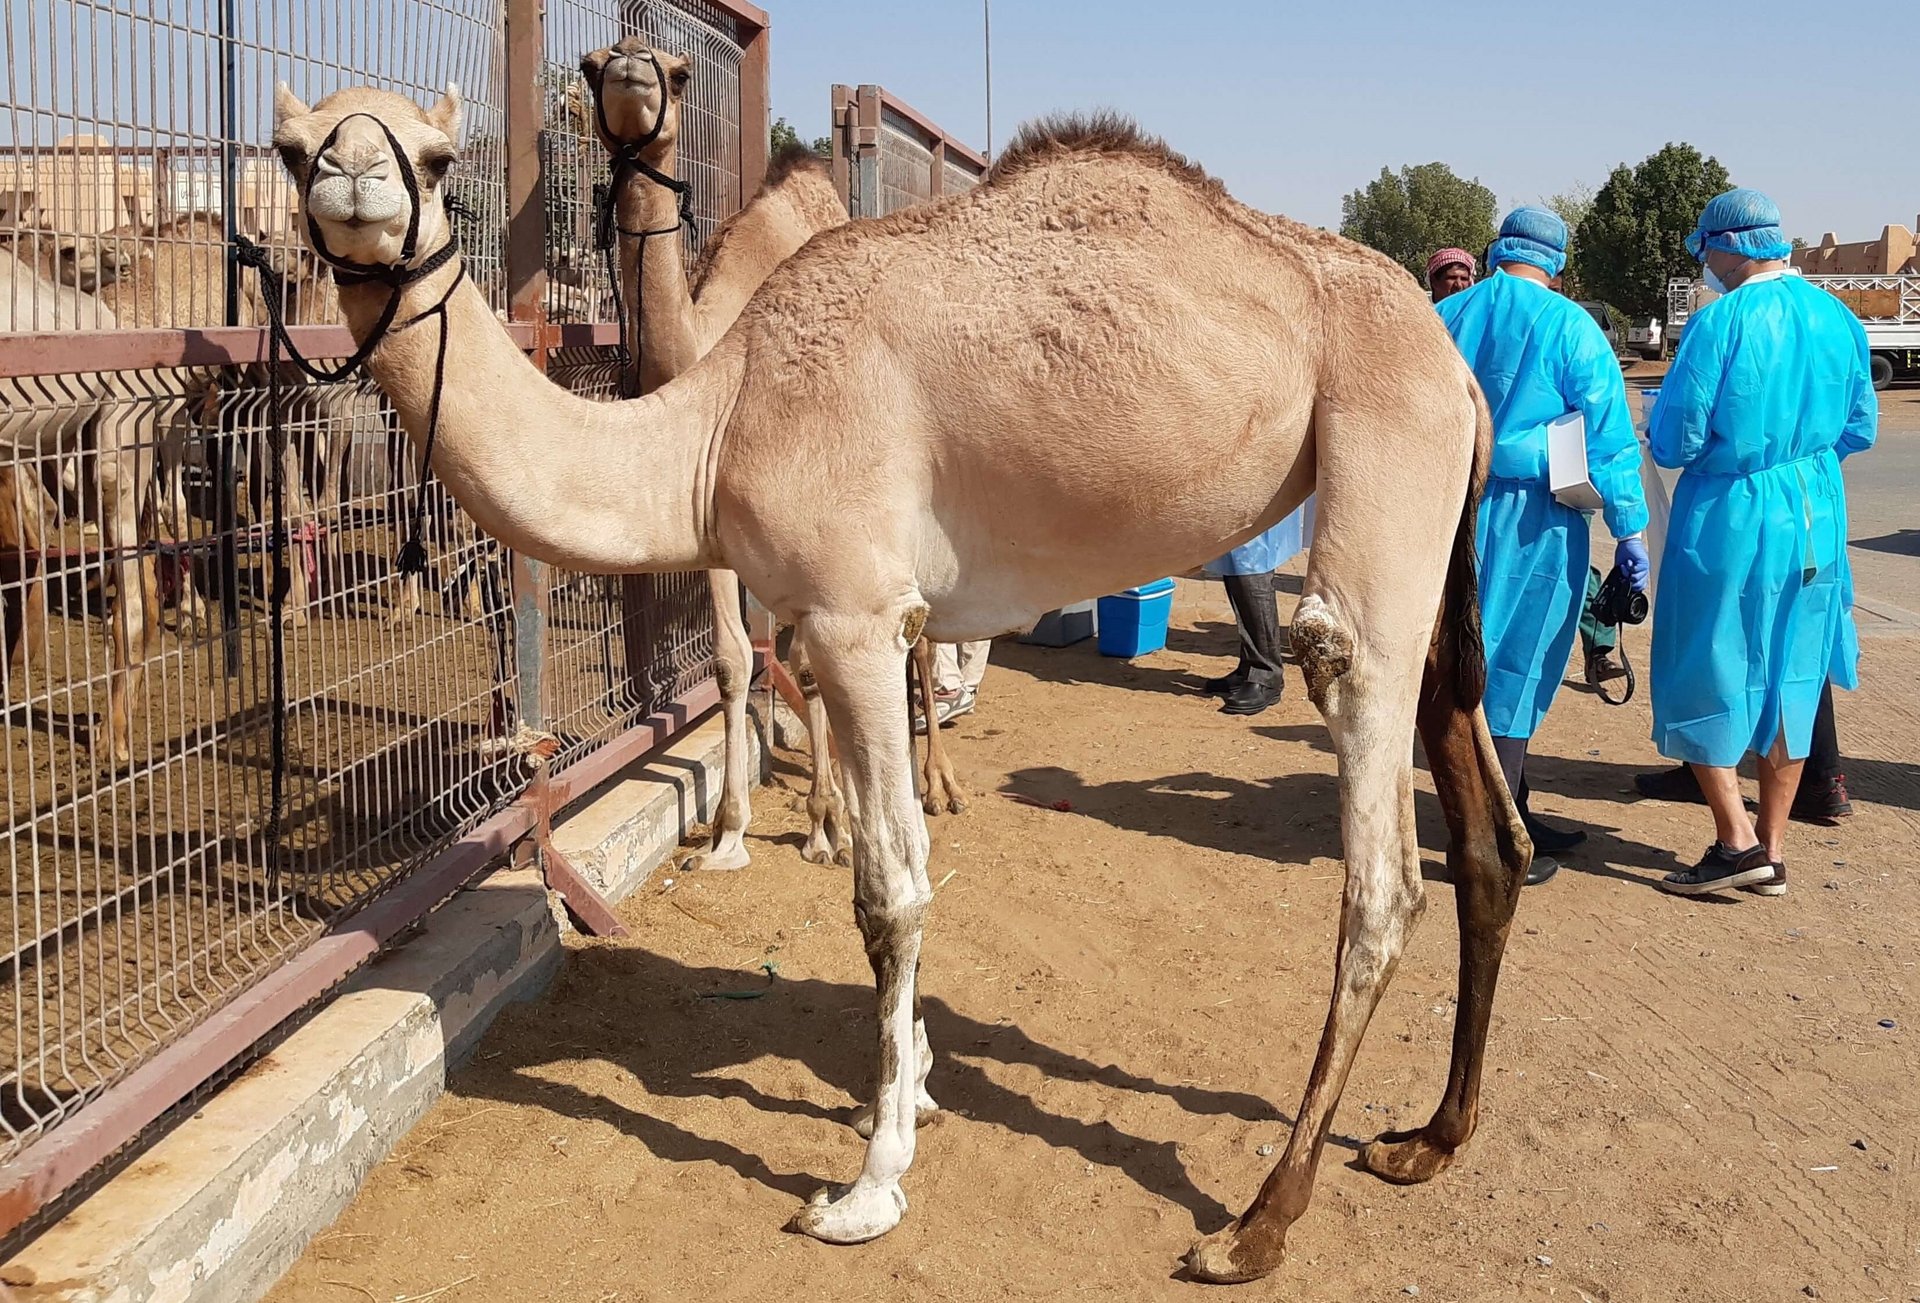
{"points": [[1134, 622]]}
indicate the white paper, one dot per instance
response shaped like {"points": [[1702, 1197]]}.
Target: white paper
{"points": [[1567, 463]]}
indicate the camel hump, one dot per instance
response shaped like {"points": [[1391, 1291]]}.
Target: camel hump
{"points": [[1102, 134]]}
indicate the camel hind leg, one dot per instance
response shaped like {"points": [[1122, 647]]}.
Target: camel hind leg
{"points": [[732, 667], [828, 840], [940, 790], [1374, 583], [1487, 855]]}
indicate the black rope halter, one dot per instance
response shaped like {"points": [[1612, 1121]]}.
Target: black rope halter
{"points": [[606, 225], [397, 277]]}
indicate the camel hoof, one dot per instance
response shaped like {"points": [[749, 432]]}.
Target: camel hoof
{"points": [[933, 807], [851, 1214], [716, 860], [1223, 1258], [924, 1111], [817, 850], [844, 857], [1405, 1158], [956, 806]]}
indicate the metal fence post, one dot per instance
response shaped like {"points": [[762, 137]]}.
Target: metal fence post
{"points": [[756, 113]]}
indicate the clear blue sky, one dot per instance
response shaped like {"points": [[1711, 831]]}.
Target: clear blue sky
{"points": [[1294, 104]]}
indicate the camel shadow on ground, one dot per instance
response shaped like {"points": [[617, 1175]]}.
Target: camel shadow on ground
{"points": [[668, 1024], [1291, 818]]}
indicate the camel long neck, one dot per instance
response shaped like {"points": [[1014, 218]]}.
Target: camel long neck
{"points": [[595, 487], [653, 279]]}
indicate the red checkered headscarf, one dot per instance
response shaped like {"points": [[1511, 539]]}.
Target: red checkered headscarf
{"points": [[1448, 257]]}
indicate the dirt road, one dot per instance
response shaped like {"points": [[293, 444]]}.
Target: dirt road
{"points": [[1687, 1100]]}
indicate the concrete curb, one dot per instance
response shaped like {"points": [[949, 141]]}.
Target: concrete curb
{"points": [[221, 1206]]}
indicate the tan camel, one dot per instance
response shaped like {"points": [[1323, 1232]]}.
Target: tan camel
{"points": [[89, 423], [959, 417], [671, 326]]}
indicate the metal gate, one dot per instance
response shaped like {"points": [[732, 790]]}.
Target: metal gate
{"points": [[887, 155], [145, 947]]}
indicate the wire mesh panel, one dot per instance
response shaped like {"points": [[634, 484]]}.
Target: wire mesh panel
{"points": [[132, 132], [906, 164], [621, 648], [149, 881]]}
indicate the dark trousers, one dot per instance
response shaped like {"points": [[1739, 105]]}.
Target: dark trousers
{"points": [[1513, 764], [1258, 617], [1823, 756]]}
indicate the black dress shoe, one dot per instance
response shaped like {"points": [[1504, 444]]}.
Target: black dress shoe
{"points": [[1676, 784], [1251, 698], [1542, 868], [1225, 684], [1547, 839]]}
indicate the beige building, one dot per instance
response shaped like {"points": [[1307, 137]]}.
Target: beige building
{"points": [[84, 186], [1894, 253]]}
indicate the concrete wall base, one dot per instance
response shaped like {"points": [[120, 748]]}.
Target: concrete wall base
{"points": [[223, 1204]]}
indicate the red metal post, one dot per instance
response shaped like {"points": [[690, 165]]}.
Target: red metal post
{"points": [[755, 111]]}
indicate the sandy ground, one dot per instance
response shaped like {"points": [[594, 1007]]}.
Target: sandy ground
{"points": [[1686, 1100]]}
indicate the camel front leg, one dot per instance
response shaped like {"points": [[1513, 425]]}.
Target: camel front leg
{"points": [[860, 663], [1368, 700], [136, 617], [939, 789], [733, 668]]}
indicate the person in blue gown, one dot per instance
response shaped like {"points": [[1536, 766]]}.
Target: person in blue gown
{"points": [[1768, 392], [1538, 356]]}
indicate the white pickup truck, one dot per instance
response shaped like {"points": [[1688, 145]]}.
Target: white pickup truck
{"points": [[1888, 308]]}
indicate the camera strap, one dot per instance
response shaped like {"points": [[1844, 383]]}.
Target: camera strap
{"points": [[1598, 685]]}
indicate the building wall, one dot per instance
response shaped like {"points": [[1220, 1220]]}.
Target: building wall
{"points": [[1893, 253]]}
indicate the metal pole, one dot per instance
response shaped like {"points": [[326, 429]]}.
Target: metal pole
{"points": [[229, 153], [986, 12]]}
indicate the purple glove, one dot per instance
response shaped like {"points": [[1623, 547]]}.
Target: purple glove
{"points": [[1630, 554]]}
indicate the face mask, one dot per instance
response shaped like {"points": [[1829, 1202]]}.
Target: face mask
{"points": [[1713, 280]]}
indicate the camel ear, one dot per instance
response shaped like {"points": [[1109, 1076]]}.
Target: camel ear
{"points": [[286, 105], [592, 64], [679, 72], [445, 116]]}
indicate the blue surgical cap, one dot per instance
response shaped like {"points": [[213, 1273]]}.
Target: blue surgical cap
{"points": [[1742, 222], [1533, 236]]}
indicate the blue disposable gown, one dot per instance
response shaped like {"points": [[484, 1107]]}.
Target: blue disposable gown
{"points": [[1768, 391], [1539, 355]]}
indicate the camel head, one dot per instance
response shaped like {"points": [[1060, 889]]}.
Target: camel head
{"points": [[341, 156], [632, 108]]}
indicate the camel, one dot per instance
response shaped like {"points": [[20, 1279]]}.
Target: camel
{"points": [[637, 93], [956, 418], [90, 424]]}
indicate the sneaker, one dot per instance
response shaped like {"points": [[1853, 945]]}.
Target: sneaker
{"points": [[1774, 886], [946, 708], [1251, 698], [1542, 868], [1824, 806], [1721, 869], [1550, 840], [1676, 784]]}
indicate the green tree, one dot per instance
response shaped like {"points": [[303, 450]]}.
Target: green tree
{"points": [[783, 136], [1572, 206], [1633, 238], [1409, 214]]}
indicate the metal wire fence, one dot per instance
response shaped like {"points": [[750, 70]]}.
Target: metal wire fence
{"points": [[135, 537], [887, 155]]}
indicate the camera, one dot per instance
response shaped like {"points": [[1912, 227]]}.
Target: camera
{"points": [[1617, 603]]}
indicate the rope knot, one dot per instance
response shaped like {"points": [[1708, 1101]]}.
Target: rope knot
{"points": [[536, 745]]}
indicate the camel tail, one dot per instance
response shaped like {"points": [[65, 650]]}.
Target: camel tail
{"points": [[1462, 651]]}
